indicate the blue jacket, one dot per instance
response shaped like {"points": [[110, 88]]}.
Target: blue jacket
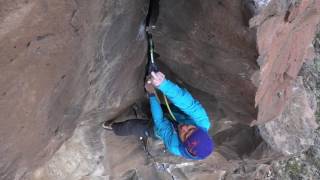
{"points": [[194, 115]]}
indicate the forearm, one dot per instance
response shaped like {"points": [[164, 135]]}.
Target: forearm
{"points": [[163, 127], [156, 111]]}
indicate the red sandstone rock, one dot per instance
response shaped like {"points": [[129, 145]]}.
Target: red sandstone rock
{"points": [[284, 42]]}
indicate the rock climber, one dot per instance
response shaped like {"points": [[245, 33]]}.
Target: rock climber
{"points": [[187, 136]]}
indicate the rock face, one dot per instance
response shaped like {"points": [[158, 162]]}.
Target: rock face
{"points": [[39, 51], [286, 41], [209, 47], [67, 66], [306, 165], [293, 131], [285, 34], [63, 62]]}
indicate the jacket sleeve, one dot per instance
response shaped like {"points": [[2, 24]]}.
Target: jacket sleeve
{"points": [[183, 100], [164, 127]]}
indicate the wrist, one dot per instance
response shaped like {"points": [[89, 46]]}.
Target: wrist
{"points": [[161, 84]]}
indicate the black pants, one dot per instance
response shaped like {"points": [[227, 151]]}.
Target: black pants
{"points": [[140, 127], [136, 127]]}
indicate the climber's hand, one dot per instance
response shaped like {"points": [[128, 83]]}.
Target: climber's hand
{"points": [[157, 78], [149, 87]]}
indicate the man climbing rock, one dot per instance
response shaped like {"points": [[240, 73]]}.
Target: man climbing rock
{"points": [[187, 136]]}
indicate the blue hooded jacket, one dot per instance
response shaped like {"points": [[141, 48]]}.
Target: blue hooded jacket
{"points": [[194, 115]]}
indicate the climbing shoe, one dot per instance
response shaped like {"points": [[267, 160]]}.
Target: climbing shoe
{"points": [[107, 125]]}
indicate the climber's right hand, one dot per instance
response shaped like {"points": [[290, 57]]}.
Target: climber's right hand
{"points": [[157, 78]]}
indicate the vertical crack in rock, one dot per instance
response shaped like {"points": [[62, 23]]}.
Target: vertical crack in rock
{"points": [[73, 21]]}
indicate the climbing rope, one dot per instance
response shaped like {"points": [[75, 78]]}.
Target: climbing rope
{"points": [[168, 107], [152, 67]]}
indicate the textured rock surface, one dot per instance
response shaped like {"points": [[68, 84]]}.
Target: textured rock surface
{"points": [[60, 65], [74, 64], [78, 157], [285, 34], [286, 41], [209, 47], [306, 165], [39, 77], [293, 131], [123, 157], [301, 165]]}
